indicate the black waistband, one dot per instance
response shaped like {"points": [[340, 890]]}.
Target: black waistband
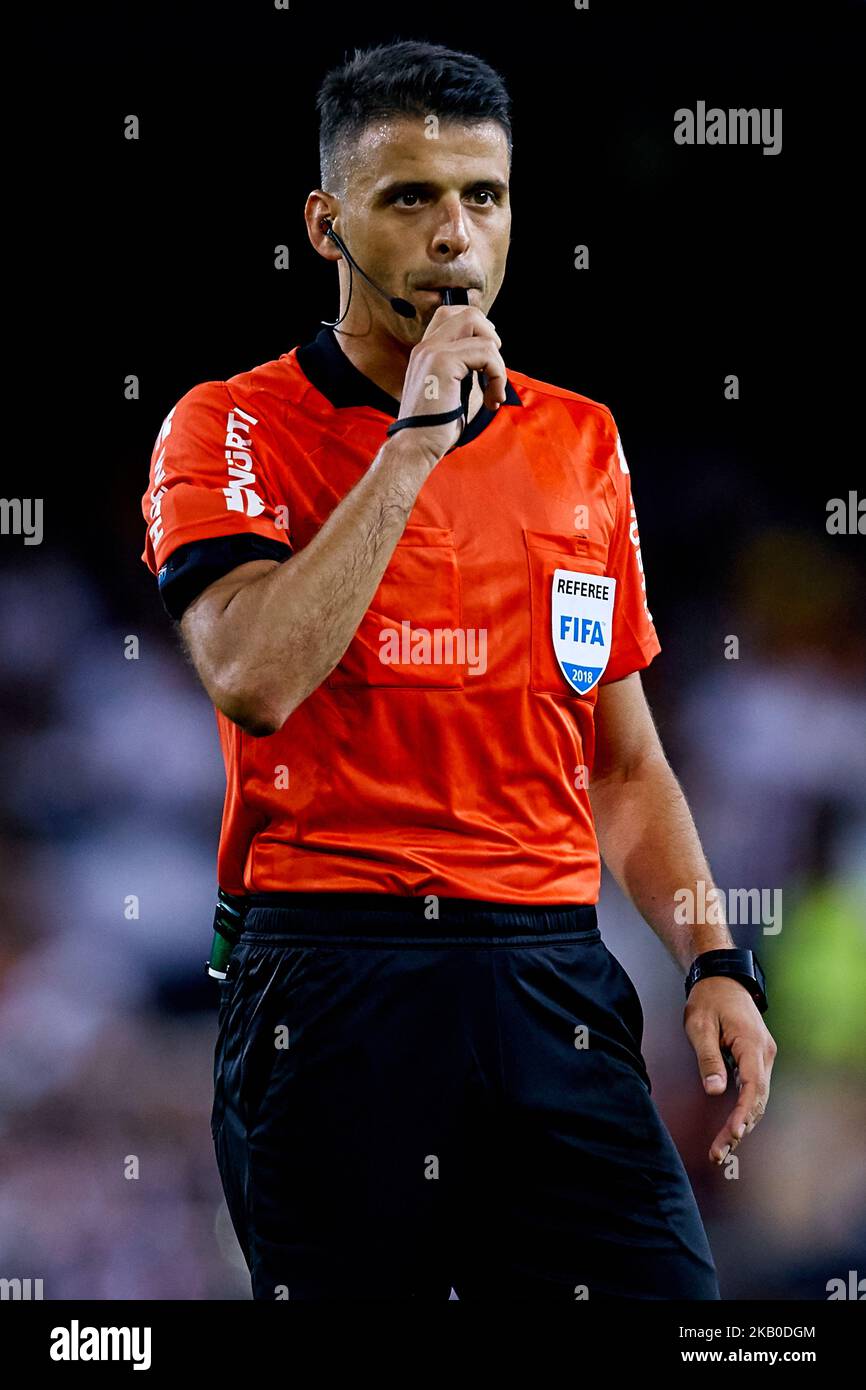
{"points": [[389, 913]]}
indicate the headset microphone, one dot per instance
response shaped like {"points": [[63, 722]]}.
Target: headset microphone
{"points": [[455, 295], [400, 306]]}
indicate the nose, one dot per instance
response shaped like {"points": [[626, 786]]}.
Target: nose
{"points": [[451, 237]]}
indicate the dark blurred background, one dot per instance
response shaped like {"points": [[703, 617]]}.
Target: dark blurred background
{"points": [[156, 258]]}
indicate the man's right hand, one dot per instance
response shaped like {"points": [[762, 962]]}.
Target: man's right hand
{"points": [[459, 338]]}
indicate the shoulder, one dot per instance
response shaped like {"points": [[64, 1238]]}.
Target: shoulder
{"points": [[592, 418], [541, 391], [263, 386], [268, 386]]}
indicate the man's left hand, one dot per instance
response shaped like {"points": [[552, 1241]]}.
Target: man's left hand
{"points": [[719, 1013]]}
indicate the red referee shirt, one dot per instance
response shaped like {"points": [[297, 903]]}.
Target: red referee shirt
{"points": [[449, 751]]}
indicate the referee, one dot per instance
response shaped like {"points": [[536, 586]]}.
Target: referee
{"points": [[420, 612]]}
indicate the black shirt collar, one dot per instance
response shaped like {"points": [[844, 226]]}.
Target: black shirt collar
{"points": [[325, 364]]}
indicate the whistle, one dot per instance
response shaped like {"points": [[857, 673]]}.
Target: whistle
{"points": [[460, 295]]}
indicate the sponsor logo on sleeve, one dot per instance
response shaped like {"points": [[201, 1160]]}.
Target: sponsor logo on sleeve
{"points": [[241, 495]]}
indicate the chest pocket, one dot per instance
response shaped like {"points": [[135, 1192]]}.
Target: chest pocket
{"points": [[411, 637], [548, 551]]}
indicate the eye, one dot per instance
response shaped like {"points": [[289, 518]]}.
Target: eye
{"points": [[489, 194]]}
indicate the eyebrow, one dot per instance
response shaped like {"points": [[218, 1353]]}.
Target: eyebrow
{"points": [[398, 186]]}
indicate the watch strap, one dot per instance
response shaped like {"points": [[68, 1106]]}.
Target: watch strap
{"points": [[737, 963]]}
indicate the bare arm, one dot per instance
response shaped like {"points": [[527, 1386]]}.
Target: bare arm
{"points": [[263, 637], [644, 827], [649, 842]]}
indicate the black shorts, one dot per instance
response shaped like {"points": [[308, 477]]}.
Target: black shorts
{"points": [[405, 1106]]}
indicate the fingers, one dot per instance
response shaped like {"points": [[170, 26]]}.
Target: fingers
{"points": [[459, 339], [754, 1088], [479, 355], [452, 321], [703, 1034], [713, 1072], [457, 326], [717, 1020]]}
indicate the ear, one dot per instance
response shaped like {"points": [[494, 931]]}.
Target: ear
{"points": [[319, 224]]}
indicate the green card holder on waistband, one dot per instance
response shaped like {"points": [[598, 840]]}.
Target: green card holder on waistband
{"points": [[228, 924]]}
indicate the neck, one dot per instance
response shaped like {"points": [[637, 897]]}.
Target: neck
{"points": [[385, 364]]}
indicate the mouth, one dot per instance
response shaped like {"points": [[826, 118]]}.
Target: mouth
{"points": [[437, 291]]}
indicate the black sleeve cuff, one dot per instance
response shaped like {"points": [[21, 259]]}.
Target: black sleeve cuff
{"points": [[191, 568]]}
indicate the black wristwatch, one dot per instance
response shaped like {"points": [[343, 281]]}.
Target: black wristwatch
{"points": [[742, 965]]}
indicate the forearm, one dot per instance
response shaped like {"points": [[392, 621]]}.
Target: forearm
{"points": [[648, 841], [286, 631]]}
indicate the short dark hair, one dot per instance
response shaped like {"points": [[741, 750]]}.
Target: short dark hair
{"points": [[406, 77]]}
